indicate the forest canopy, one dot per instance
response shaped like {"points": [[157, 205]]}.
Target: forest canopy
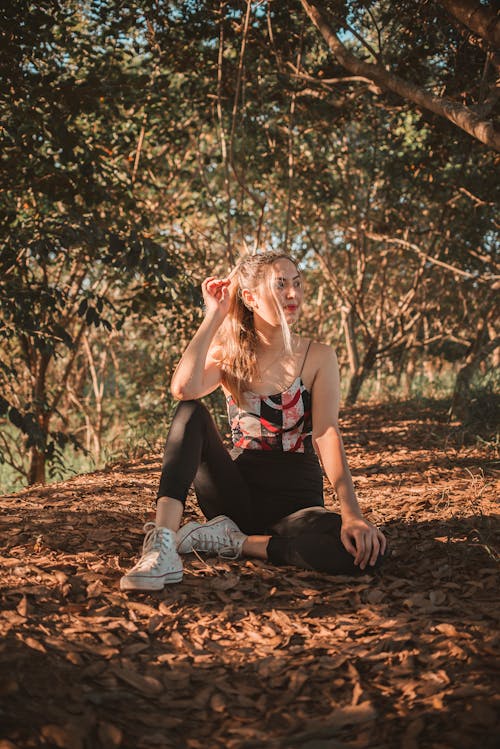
{"points": [[146, 145]]}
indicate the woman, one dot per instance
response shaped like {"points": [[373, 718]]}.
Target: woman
{"points": [[265, 498]]}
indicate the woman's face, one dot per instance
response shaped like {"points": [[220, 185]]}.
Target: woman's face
{"points": [[286, 284]]}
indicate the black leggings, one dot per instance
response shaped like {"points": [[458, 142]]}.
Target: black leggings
{"points": [[303, 533]]}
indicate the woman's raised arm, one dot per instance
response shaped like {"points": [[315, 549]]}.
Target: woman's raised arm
{"points": [[197, 374]]}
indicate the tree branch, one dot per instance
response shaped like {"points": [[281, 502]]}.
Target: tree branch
{"points": [[363, 41], [327, 81], [463, 117], [69, 365], [261, 203], [485, 278], [9, 458], [481, 19]]}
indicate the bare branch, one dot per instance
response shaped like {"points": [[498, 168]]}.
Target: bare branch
{"points": [[241, 182], [69, 366], [462, 116], [222, 137], [363, 41], [225, 234], [139, 148], [9, 458], [291, 155], [320, 81], [485, 278], [477, 201]]}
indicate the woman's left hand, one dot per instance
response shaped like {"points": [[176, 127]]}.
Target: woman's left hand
{"points": [[363, 540]]}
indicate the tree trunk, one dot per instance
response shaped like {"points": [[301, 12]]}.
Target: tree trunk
{"points": [[361, 373], [460, 405], [350, 338], [408, 373], [460, 408], [460, 115], [481, 19], [38, 366], [36, 471]]}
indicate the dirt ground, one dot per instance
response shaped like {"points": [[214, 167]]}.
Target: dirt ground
{"points": [[243, 654]]}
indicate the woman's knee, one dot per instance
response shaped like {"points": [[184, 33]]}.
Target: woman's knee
{"points": [[190, 411]]}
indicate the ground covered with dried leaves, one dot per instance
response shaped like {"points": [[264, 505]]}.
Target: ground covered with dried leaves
{"points": [[243, 654]]}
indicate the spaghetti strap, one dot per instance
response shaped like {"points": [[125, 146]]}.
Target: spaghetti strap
{"points": [[305, 357]]}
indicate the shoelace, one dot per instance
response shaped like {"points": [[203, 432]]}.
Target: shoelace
{"points": [[228, 552], [154, 539], [210, 544]]}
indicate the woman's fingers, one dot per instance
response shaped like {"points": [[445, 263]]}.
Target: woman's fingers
{"points": [[383, 541], [364, 541], [346, 540], [375, 550], [215, 286], [360, 548], [214, 279], [207, 286], [370, 549], [212, 285]]}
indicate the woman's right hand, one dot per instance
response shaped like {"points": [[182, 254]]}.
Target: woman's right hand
{"points": [[216, 295]]}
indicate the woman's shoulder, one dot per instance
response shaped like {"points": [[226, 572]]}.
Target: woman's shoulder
{"points": [[321, 352], [320, 357]]}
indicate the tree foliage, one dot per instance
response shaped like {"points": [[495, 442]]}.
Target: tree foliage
{"points": [[147, 144]]}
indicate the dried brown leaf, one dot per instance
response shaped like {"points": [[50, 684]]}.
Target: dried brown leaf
{"points": [[217, 702], [109, 734], [63, 737], [146, 684], [225, 582], [23, 607], [342, 716], [35, 644]]}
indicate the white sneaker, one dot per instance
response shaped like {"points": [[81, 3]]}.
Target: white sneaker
{"points": [[159, 563], [219, 536]]}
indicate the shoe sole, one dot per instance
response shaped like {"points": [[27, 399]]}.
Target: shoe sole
{"points": [[148, 583], [187, 530]]}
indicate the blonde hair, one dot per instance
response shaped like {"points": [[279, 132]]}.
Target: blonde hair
{"points": [[237, 338]]}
